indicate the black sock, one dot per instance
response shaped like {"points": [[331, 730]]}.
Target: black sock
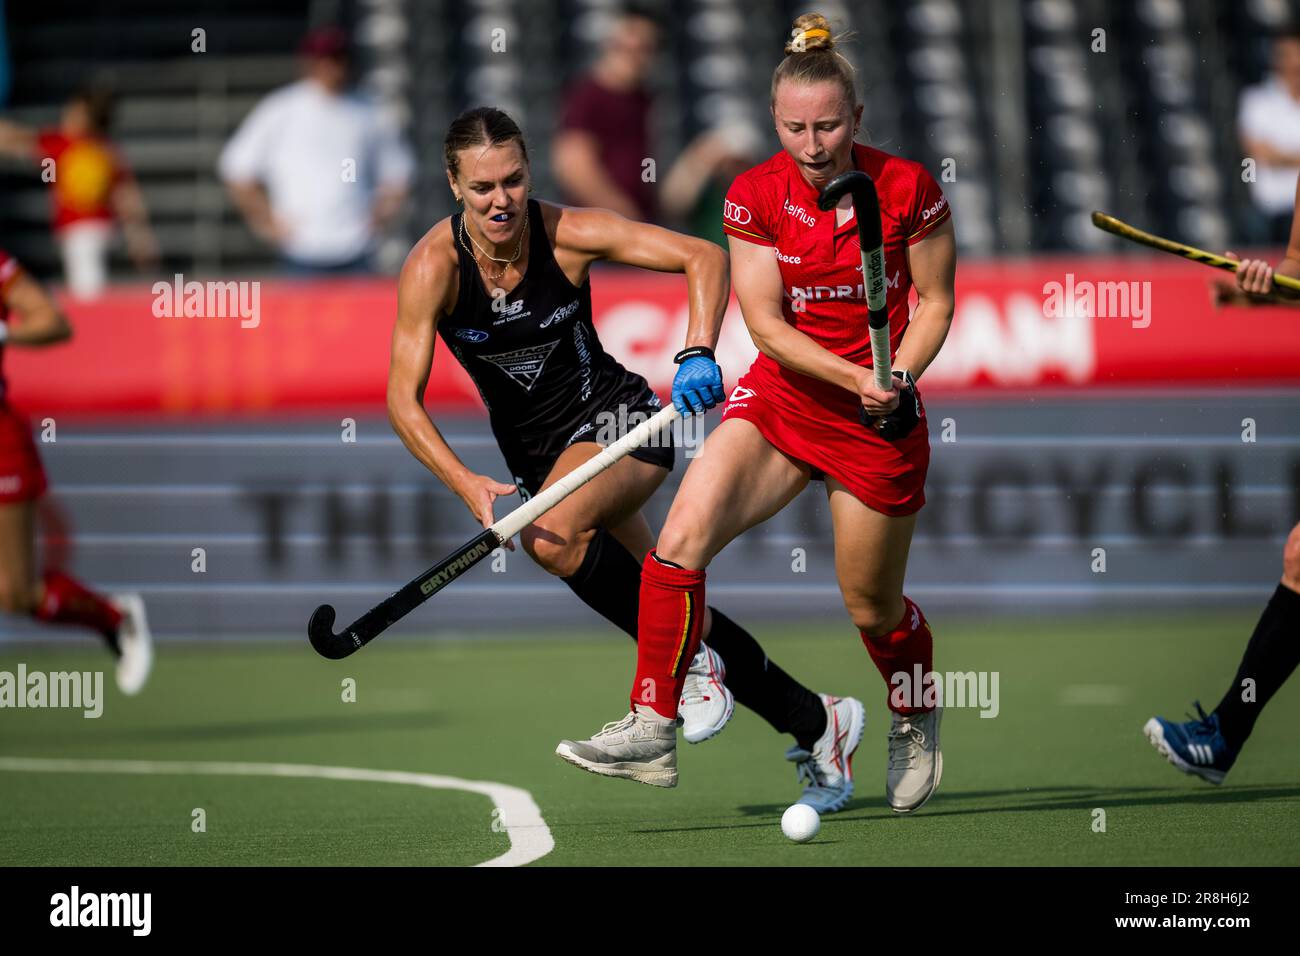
{"points": [[1270, 658], [609, 581], [763, 687]]}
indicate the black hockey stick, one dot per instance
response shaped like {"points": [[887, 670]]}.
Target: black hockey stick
{"points": [[866, 209], [400, 603]]}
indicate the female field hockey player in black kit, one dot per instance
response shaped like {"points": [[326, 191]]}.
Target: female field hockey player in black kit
{"points": [[505, 284]]}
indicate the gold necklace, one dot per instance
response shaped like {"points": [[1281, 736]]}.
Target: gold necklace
{"points": [[508, 262]]}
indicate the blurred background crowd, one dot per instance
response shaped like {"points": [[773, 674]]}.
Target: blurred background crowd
{"points": [[204, 130]]}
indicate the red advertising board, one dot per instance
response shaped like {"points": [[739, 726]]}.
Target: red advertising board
{"points": [[1041, 324]]}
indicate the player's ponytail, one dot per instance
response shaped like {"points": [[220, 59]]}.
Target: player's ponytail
{"points": [[810, 57]]}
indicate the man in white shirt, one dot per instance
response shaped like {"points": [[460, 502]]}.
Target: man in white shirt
{"points": [[1269, 127], [315, 169]]}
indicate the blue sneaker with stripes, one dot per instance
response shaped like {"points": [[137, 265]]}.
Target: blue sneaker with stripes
{"points": [[1196, 746]]}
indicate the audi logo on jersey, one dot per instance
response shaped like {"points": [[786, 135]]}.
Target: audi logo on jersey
{"points": [[736, 213]]}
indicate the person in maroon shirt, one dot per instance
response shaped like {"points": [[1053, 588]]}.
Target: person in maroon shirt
{"points": [[604, 131]]}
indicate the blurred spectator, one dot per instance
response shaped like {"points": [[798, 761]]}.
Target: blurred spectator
{"points": [[315, 169], [604, 131], [697, 184], [91, 189], [1269, 125]]}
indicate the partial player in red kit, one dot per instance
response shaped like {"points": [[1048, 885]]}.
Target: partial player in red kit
{"points": [[795, 417], [30, 318]]}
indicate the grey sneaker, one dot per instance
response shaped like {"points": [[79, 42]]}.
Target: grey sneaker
{"points": [[706, 704], [827, 771], [915, 760], [641, 747]]}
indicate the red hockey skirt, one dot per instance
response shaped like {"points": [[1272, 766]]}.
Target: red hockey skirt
{"points": [[823, 431]]}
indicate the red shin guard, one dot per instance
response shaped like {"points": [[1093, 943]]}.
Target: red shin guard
{"points": [[669, 627], [904, 656]]}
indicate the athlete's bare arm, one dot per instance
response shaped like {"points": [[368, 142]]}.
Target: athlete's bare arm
{"points": [[757, 279], [1253, 283], [933, 264], [35, 319], [1290, 264], [583, 236], [426, 290]]}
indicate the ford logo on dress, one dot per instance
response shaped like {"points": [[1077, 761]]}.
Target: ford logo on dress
{"points": [[471, 335]]}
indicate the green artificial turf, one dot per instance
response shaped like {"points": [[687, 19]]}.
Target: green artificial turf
{"points": [[1021, 788]]}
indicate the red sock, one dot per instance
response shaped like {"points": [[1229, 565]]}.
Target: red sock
{"points": [[906, 651], [66, 601], [669, 624]]}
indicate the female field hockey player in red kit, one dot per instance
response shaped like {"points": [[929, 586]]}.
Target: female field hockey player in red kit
{"points": [[29, 318], [794, 417]]}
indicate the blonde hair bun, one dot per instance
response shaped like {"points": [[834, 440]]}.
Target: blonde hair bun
{"points": [[811, 33]]}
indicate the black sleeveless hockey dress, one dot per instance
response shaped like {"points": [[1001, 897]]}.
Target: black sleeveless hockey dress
{"points": [[539, 367]]}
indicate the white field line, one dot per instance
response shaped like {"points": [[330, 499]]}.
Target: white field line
{"points": [[530, 837]]}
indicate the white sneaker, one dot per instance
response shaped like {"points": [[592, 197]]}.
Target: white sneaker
{"points": [[915, 760], [134, 642], [641, 747], [828, 769], [706, 704]]}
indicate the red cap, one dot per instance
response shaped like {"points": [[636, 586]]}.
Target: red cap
{"points": [[325, 42]]}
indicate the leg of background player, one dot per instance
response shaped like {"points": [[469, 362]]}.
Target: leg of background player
{"points": [[1271, 656], [57, 598], [1207, 745], [17, 558]]}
